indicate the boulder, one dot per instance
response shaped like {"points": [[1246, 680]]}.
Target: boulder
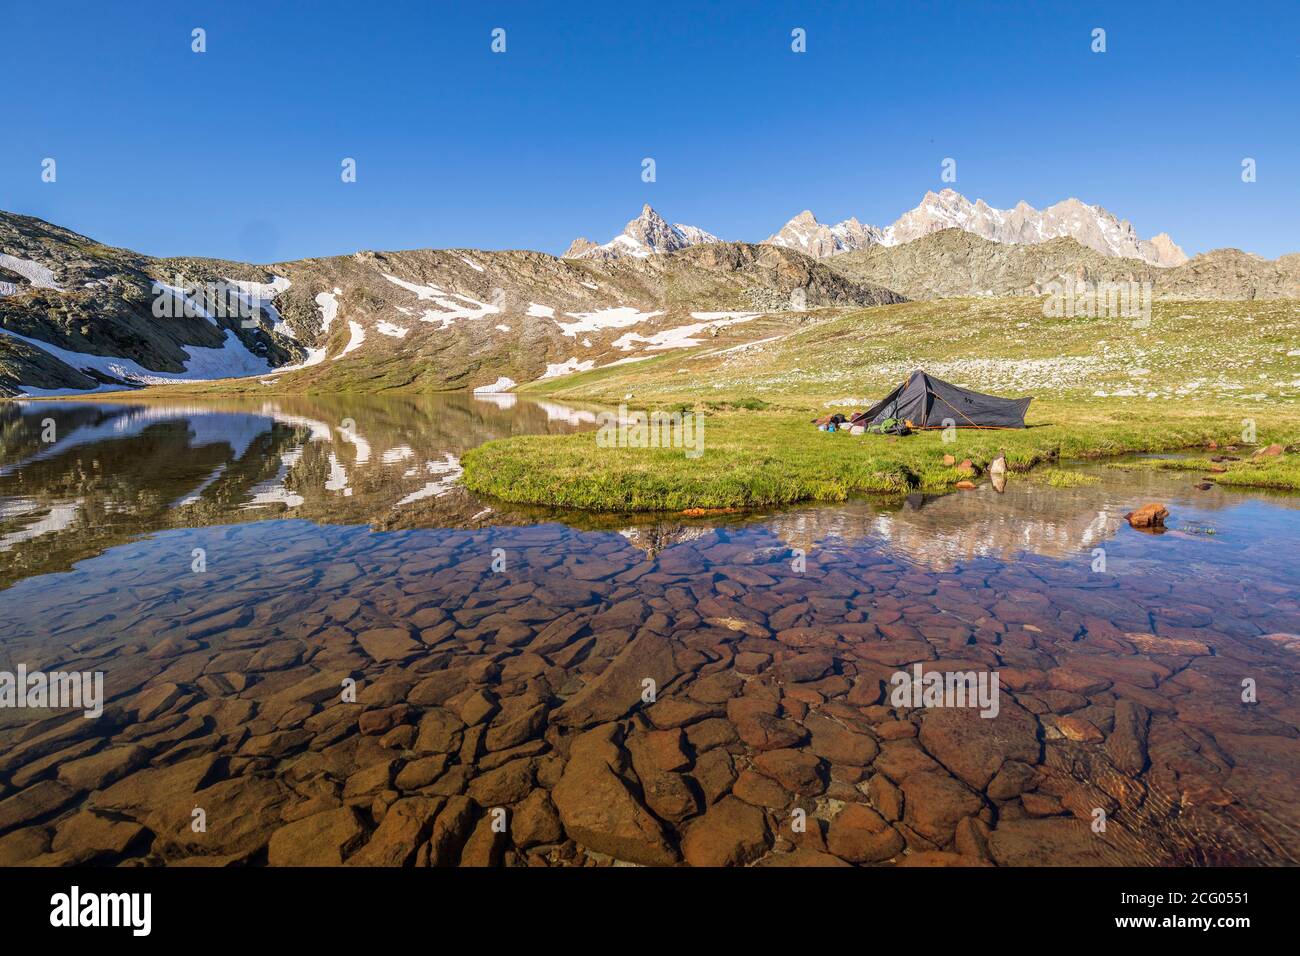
{"points": [[389, 643], [935, 802], [838, 744], [323, 839], [600, 811], [618, 688], [795, 770], [860, 835], [731, 833], [1148, 516], [406, 825], [535, 821], [975, 747], [450, 831], [1127, 744]]}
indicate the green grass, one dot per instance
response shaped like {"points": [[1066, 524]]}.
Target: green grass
{"points": [[1102, 387], [754, 459], [1063, 478], [1280, 471]]}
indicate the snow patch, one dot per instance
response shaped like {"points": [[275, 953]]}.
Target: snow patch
{"points": [[502, 384], [329, 309], [259, 295], [616, 318], [569, 367], [450, 312], [231, 360], [358, 336], [684, 335], [38, 275]]}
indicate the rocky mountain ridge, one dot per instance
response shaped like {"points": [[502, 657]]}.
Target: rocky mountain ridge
{"points": [[77, 315], [1092, 226], [953, 263]]}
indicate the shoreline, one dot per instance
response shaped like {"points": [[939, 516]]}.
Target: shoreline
{"points": [[766, 459]]}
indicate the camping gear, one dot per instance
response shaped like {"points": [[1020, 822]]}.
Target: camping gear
{"points": [[887, 426], [924, 401], [831, 420]]}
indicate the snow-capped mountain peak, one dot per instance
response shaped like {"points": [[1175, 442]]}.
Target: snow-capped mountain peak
{"points": [[806, 234], [647, 234], [1092, 226]]}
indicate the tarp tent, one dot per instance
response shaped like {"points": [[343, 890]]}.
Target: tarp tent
{"points": [[924, 401]]}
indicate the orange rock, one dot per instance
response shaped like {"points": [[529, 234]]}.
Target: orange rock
{"points": [[965, 485], [1151, 644], [949, 460], [1269, 452], [1079, 730], [1148, 516]]}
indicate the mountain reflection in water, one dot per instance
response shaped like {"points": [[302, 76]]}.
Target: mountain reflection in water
{"points": [[339, 545]]}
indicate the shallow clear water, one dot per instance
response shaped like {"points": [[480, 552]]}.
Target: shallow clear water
{"points": [[231, 566]]}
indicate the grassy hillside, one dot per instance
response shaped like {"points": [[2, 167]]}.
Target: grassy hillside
{"points": [[1198, 374], [1202, 353]]}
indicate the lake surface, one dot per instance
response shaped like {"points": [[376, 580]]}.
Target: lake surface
{"points": [[316, 647]]}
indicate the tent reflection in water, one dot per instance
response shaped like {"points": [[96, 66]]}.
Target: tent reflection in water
{"points": [[924, 401]]}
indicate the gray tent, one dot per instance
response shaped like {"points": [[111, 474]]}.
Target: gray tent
{"points": [[924, 401]]}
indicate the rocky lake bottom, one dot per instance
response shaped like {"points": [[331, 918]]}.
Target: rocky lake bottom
{"points": [[316, 649]]}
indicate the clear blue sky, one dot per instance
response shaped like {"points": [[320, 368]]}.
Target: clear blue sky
{"points": [[236, 152]]}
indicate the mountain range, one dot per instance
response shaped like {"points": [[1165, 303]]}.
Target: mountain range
{"points": [[78, 316], [1092, 226]]}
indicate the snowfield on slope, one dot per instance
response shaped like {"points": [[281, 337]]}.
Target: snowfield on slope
{"points": [[232, 360], [616, 318], [38, 275], [451, 311]]}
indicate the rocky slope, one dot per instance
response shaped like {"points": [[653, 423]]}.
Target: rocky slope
{"points": [[953, 262], [77, 315], [1092, 226], [64, 295]]}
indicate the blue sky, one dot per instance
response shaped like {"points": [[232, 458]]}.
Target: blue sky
{"points": [[236, 152]]}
